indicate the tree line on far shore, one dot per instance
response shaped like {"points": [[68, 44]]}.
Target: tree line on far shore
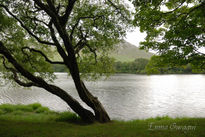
{"points": [[144, 66]]}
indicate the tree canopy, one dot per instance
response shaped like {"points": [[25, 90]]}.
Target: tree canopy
{"points": [[92, 28], [175, 29], [80, 32]]}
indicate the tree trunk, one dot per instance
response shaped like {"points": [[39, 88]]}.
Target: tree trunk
{"points": [[71, 62], [100, 114], [85, 114]]}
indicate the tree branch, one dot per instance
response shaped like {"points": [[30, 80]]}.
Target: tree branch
{"points": [[51, 5], [79, 46], [81, 18], [15, 76], [58, 46], [82, 42], [68, 11], [93, 51], [175, 8], [28, 59], [118, 10], [73, 29], [73, 103], [4, 51], [42, 54], [22, 25], [41, 5]]}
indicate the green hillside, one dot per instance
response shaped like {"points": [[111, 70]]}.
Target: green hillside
{"points": [[126, 52]]}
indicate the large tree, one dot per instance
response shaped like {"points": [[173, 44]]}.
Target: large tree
{"points": [[175, 29], [80, 32]]}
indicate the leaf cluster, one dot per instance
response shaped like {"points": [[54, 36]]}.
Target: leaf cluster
{"points": [[175, 29]]}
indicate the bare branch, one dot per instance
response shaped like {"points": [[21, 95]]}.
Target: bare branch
{"points": [[73, 29], [59, 48], [68, 11], [93, 51], [36, 20], [57, 22], [175, 8], [41, 5], [81, 18], [42, 54], [51, 5], [82, 42], [80, 45]]}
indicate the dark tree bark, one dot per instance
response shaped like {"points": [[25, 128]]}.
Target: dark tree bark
{"points": [[93, 102]]}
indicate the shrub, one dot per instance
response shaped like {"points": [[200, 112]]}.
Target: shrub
{"points": [[35, 106], [42, 110], [68, 116]]}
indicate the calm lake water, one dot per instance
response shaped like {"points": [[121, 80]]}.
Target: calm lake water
{"points": [[126, 96]]}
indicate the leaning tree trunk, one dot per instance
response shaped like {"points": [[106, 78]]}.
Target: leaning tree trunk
{"points": [[93, 102], [85, 114], [100, 114], [71, 62]]}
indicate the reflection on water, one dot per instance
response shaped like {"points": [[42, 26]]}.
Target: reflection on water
{"points": [[127, 96]]}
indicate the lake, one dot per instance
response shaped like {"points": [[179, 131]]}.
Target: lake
{"points": [[126, 96]]}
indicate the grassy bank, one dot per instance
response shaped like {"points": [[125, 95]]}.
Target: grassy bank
{"points": [[37, 121]]}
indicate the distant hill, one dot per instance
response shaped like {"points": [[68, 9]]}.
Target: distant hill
{"points": [[126, 52]]}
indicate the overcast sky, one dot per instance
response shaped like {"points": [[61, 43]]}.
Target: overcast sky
{"points": [[135, 37]]}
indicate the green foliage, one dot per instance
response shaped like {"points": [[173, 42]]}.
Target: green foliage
{"points": [[35, 112], [97, 24], [68, 117], [154, 65], [8, 108], [59, 68], [157, 65], [14, 38], [175, 29], [104, 32], [137, 66], [36, 108], [92, 69], [42, 110]]}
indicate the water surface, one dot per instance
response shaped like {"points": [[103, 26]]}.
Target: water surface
{"points": [[126, 96]]}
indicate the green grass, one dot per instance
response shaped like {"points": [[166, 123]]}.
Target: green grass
{"points": [[37, 121]]}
